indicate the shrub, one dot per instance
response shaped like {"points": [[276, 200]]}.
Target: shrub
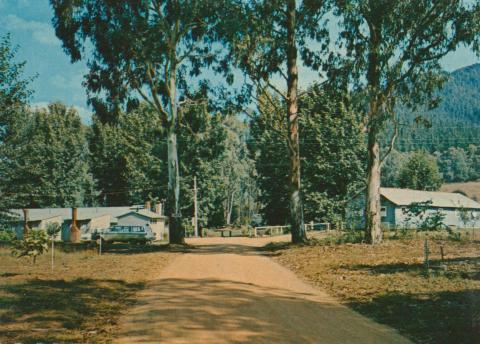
{"points": [[7, 236], [35, 244]]}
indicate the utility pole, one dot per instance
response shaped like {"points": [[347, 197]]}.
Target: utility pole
{"points": [[195, 207]]}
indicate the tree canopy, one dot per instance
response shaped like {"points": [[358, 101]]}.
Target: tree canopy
{"points": [[420, 172]]}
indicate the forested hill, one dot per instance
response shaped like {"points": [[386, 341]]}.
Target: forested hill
{"points": [[454, 123], [461, 97]]}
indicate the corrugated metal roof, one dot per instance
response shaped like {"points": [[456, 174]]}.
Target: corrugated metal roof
{"points": [[439, 199], [66, 213], [145, 213]]}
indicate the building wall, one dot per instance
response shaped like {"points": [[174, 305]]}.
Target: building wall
{"points": [[101, 222], [392, 215], [83, 225], [452, 217], [158, 228], [132, 220], [387, 213], [355, 218], [37, 225]]}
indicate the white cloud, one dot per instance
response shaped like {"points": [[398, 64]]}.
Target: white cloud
{"points": [[41, 32]]}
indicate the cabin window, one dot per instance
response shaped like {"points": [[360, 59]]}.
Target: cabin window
{"points": [[383, 211]]}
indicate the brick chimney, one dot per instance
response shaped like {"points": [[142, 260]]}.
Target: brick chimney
{"points": [[148, 206], [158, 208], [74, 230], [26, 229]]}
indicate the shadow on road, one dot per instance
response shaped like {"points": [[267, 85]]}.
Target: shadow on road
{"points": [[181, 310]]}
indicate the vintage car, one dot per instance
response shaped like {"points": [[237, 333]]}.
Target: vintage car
{"points": [[131, 234]]}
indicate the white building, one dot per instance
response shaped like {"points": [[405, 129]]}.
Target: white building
{"points": [[394, 203], [144, 217]]}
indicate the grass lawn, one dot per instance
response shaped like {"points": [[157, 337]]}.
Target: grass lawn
{"points": [[388, 283], [80, 301]]}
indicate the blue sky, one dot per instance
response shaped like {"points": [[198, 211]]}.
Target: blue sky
{"points": [[29, 23]]}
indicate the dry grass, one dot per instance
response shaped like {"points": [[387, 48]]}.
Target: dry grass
{"points": [[388, 283], [80, 301], [471, 189]]}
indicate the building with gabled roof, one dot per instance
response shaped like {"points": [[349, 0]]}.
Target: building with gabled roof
{"points": [[395, 201], [89, 219], [145, 217]]}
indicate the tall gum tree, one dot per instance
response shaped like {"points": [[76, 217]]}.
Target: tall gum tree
{"points": [[265, 39], [391, 55], [141, 50]]}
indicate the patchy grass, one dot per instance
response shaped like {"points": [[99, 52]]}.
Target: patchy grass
{"points": [[388, 283], [79, 301]]}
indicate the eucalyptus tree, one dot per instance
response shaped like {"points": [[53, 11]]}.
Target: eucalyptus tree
{"points": [[391, 55], [264, 40], [141, 50]]}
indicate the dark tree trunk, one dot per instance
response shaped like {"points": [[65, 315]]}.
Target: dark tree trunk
{"points": [[296, 206]]}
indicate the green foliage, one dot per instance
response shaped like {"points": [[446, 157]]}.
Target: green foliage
{"points": [[268, 149], [128, 158], [394, 162], [420, 172], [53, 229], [391, 56], [214, 149], [14, 96], [7, 236], [168, 39], [332, 153], [418, 214], [347, 237], [34, 245], [455, 165], [46, 164], [454, 123]]}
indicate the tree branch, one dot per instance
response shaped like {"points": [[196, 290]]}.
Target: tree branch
{"points": [[153, 90], [392, 141]]}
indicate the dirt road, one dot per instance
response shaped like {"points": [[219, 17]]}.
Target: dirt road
{"points": [[226, 291]]}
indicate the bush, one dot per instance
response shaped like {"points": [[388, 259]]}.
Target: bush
{"points": [[7, 236], [348, 237], [35, 244]]}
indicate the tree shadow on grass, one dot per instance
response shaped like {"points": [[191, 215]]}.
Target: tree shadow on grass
{"points": [[58, 310], [445, 317], [419, 268]]}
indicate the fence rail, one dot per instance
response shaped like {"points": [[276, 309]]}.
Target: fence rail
{"points": [[279, 230], [323, 226]]}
